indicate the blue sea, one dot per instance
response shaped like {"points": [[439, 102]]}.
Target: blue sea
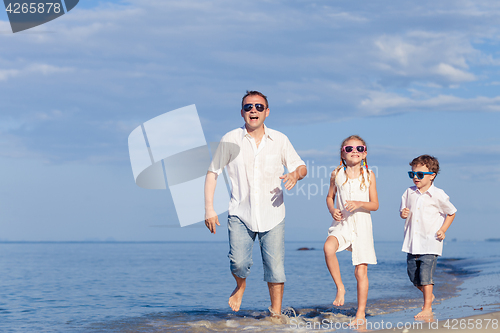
{"points": [[184, 287]]}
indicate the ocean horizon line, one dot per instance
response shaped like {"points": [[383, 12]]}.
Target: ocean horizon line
{"points": [[112, 241]]}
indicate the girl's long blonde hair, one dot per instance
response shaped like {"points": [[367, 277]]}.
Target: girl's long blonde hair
{"points": [[343, 165]]}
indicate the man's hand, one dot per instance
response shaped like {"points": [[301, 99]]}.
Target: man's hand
{"points": [[290, 179], [337, 215], [404, 213], [211, 219]]}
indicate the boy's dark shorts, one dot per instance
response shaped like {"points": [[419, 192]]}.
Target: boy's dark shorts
{"points": [[421, 268]]}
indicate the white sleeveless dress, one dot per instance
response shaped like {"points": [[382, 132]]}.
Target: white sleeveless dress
{"points": [[354, 231]]}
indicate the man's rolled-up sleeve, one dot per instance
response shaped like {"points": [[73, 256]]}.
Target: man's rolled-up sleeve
{"points": [[225, 153], [290, 158]]}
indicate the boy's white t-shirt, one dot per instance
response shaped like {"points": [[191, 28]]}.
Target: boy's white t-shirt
{"points": [[428, 211]]}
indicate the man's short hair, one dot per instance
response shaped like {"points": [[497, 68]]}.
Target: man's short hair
{"points": [[253, 93], [429, 161]]}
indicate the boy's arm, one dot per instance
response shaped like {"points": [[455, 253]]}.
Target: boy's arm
{"points": [[446, 224], [403, 210], [447, 208], [211, 218]]}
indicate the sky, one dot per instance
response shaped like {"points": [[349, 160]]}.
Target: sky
{"points": [[410, 77]]}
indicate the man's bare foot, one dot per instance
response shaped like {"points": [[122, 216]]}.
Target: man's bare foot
{"points": [[424, 314], [236, 297], [277, 318], [339, 299], [274, 313]]}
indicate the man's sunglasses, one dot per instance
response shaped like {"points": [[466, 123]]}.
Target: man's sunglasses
{"points": [[348, 149], [258, 107], [419, 174]]}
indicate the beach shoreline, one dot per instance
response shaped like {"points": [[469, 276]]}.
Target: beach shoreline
{"points": [[154, 297], [467, 298], [485, 322]]}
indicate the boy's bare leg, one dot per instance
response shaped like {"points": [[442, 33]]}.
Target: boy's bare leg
{"points": [[237, 295], [421, 288], [276, 294], [361, 273], [330, 249], [428, 298]]}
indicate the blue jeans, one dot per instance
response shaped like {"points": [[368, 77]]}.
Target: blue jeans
{"points": [[272, 249], [421, 268]]}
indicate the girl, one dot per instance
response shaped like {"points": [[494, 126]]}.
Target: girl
{"points": [[354, 185]]}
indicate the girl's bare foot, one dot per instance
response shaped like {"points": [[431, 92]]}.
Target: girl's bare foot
{"points": [[339, 299], [357, 322]]}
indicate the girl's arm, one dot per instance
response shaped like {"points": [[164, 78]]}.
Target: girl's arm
{"points": [[330, 199], [371, 205]]}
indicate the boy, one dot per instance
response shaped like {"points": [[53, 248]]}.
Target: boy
{"points": [[428, 213]]}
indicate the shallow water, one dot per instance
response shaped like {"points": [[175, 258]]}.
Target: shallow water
{"points": [[160, 287]]}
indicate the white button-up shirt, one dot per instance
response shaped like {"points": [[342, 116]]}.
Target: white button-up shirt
{"points": [[428, 211], [256, 194]]}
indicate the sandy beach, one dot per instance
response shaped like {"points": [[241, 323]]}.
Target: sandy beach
{"points": [[487, 322]]}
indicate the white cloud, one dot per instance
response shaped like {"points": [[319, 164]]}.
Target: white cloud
{"points": [[386, 103], [5, 27], [123, 63], [453, 74], [8, 73], [347, 17], [35, 68], [489, 173], [422, 56], [46, 69], [315, 153]]}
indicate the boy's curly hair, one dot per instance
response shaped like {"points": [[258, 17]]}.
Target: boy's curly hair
{"points": [[427, 160]]}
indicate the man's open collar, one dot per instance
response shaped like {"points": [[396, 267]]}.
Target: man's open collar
{"points": [[267, 132]]}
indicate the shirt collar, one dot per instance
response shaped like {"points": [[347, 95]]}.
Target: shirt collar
{"points": [[266, 132], [431, 190]]}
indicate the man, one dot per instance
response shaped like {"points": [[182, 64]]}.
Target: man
{"points": [[254, 156]]}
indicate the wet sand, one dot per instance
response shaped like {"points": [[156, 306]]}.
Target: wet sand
{"points": [[488, 323]]}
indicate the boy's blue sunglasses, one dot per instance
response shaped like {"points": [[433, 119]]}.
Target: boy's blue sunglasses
{"points": [[420, 174]]}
